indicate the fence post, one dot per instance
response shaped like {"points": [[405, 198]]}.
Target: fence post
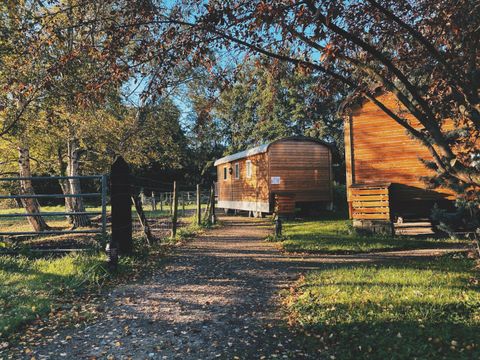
{"points": [[183, 204], [212, 205], [154, 202], [121, 189], [278, 227], [104, 210], [161, 203], [175, 208], [143, 219], [199, 206]]}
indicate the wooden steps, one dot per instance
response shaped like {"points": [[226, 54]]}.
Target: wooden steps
{"points": [[414, 228]]}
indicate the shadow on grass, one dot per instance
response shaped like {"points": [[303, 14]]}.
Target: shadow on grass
{"points": [[396, 340], [402, 310]]}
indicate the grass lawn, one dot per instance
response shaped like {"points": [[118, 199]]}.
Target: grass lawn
{"points": [[31, 287], [335, 237], [414, 309]]}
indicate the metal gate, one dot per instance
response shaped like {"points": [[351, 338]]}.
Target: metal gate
{"points": [[102, 194]]}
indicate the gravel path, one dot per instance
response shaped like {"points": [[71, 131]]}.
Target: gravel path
{"points": [[217, 297]]}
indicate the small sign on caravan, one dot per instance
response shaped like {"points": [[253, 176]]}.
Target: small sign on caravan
{"points": [[275, 180]]}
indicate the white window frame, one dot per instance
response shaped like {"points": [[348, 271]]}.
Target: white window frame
{"points": [[237, 171], [225, 173], [249, 169]]}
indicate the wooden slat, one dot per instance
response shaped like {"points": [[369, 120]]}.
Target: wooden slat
{"points": [[356, 197], [369, 191], [372, 210], [371, 216], [370, 203]]}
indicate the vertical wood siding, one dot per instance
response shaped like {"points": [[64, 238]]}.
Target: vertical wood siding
{"points": [[244, 189], [304, 167]]}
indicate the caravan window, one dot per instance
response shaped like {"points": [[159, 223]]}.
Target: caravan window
{"points": [[249, 169], [237, 171]]}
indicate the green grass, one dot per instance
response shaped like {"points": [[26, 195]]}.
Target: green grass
{"points": [[336, 237], [30, 287], [416, 309]]}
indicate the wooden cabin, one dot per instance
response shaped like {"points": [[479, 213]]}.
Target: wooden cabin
{"points": [[384, 170], [276, 177]]}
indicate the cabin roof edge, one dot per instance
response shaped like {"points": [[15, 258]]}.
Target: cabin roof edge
{"points": [[264, 148]]}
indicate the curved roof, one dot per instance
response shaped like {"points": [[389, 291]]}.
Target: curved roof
{"points": [[264, 148]]}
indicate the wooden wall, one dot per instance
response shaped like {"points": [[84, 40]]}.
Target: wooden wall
{"points": [[243, 189], [304, 167], [377, 149]]}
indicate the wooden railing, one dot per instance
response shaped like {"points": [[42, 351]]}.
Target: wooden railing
{"points": [[370, 202]]}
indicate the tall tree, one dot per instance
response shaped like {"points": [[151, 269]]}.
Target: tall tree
{"points": [[270, 100], [425, 53], [63, 55]]}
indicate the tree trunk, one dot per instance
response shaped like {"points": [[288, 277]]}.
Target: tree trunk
{"points": [[64, 185], [31, 205], [74, 188]]}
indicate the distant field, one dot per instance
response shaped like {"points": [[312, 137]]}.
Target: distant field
{"points": [[21, 223]]}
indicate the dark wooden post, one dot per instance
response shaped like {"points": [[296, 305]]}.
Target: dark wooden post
{"points": [[183, 203], [175, 209], [161, 203], [199, 206], [278, 227], [121, 192], [212, 205]]}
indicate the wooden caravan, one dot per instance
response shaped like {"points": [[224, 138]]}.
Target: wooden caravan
{"points": [[384, 168], [276, 177]]}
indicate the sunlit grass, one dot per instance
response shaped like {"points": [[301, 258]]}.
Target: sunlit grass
{"points": [[413, 309], [336, 237], [31, 287], [16, 224]]}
